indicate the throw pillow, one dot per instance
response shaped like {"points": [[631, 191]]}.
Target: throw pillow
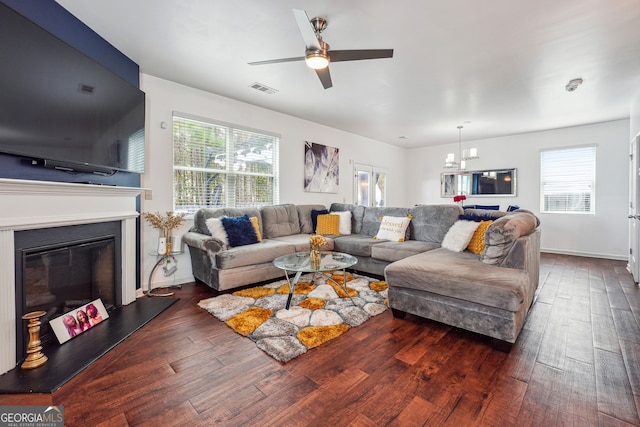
{"points": [[217, 230], [488, 207], [314, 217], [328, 224], [476, 245], [239, 230], [256, 227], [393, 228], [345, 221], [459, 235]]}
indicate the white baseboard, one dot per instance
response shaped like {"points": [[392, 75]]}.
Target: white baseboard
{"points": [[585, 254]]}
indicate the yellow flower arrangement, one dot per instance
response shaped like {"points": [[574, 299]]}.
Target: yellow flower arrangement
{"points": [[317, 240]]}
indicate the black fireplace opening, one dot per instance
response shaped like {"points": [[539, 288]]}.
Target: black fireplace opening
{"points": [[59, 269]]}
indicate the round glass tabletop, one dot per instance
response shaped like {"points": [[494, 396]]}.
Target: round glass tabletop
{"points": [[299, 261]]}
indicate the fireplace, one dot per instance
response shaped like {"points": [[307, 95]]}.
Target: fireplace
{"points": [[36, 206], [62, 268]]}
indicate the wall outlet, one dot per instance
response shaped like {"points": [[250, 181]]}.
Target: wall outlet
{"points": [[148, 194]]}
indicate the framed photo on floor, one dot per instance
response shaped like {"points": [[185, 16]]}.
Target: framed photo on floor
{"points": [[75, 322]]}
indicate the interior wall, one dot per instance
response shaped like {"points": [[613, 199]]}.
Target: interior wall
{"points": [[635, 117], [164, 97], [601, 235]]}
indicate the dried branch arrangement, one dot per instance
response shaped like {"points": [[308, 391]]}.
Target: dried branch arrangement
{"points": [[164, 222]]}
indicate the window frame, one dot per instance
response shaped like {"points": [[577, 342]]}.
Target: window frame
{"points": [[229, 175]]}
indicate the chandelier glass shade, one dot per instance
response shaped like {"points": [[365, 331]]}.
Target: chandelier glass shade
{"points": [[464, 155]]}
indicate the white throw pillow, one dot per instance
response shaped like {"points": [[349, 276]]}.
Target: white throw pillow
{"points": [[393, 228], [217, 230], [345, 221], [459, 235]]}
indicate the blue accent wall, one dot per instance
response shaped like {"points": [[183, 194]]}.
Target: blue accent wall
{"points": [[57, 20]]}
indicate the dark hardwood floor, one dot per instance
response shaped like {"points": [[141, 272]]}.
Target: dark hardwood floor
{"points": [[577, 362]]}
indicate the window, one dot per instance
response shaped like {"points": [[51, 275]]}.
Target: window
{"points": [[370, 185], [217, 165], [568, 180]]}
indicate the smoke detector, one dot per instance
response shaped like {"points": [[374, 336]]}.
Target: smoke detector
{"points": [[573, 84]]}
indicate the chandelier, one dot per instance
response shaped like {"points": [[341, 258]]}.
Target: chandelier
{"points": [[464, 155]]}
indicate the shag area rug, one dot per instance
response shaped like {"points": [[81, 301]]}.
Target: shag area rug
{"points": [[320, 311]]}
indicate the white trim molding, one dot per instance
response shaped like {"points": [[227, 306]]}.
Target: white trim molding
{"points": [[28, 205]]}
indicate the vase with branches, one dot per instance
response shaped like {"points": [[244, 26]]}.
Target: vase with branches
{"points": [[165, 223]]}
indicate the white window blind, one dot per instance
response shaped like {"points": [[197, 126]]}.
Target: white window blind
{"points": [[568, 180], [135, 158], [218, 165]]}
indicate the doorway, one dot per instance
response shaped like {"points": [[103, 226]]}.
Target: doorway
{"points": [[369, 185]]}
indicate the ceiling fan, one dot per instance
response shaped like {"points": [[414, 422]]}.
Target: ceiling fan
{"points": [[317, 53]]}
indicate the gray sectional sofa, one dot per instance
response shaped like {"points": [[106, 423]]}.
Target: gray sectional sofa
{"points": [[489, 293]]}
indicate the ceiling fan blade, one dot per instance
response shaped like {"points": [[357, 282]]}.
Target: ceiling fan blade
{"points": [[276, 61], [356, 55], [325, 77], [308, 34]]}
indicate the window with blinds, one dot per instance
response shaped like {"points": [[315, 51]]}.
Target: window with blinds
{"points": [[568, 180], [218, 165]]}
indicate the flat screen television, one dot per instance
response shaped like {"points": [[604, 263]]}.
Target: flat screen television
{"points": [[59, 108]]}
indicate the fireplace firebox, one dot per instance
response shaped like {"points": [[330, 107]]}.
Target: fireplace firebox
{"points": [[61, 268]]}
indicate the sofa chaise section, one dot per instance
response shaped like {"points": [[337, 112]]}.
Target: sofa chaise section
{"points": [[491, 295]]}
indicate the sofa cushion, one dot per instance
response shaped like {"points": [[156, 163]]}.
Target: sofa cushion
{"points": [[314, 218], [257, 253], [459, 235], [430, 223], [355, 244], [240, 231], [304, 216], [373, 217], [503, 232], [279, 220], [393, 228], [484, 207], [394, 251], [345, 221], [476, 245], [301, 242], [201, 216], [481, 214], [357, 213], [462, 276], [328, 224], [255, 221], [216, 229]]}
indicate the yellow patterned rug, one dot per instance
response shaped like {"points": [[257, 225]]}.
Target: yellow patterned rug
{"points": [[320, 311]]}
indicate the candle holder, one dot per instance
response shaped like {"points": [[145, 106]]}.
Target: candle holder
{"points": [[35, 357]]}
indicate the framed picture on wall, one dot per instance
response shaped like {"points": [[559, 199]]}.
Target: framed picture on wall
{"points": [[75, 322], [321, 168]]}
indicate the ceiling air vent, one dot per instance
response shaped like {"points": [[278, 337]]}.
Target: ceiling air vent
{"points": [[263, 88], [87, 89]]}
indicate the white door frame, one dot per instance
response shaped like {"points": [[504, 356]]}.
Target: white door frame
{"points": [[634, 212], [371, 171]]}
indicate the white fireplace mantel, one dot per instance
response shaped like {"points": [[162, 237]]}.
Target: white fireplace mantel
{"points": [[26, 205]]}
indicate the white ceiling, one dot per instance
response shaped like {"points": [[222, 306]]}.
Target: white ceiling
{"points": [[501, 65]]}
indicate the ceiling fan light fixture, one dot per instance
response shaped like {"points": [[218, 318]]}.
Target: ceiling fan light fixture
{"points": [[317, 59]]}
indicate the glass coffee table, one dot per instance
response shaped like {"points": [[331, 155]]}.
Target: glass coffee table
{"points": [[300, 263]]}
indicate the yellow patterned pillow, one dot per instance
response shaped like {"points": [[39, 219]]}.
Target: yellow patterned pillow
{"points": [[328, 224], [256, 226], [476, 245]]}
